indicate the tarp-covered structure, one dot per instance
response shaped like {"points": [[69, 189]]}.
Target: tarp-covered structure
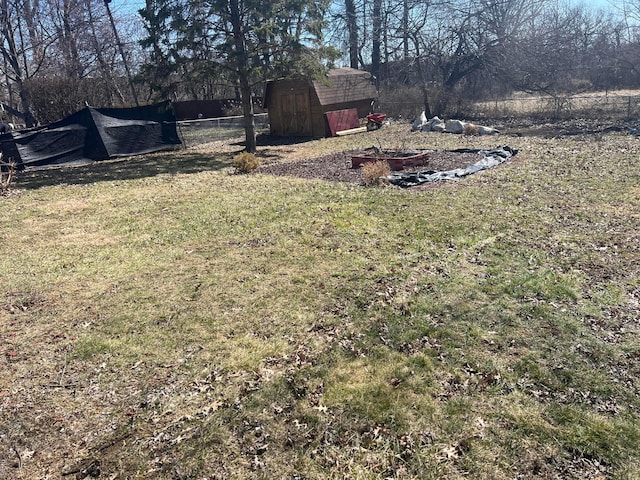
{"points": [[93, 134]]}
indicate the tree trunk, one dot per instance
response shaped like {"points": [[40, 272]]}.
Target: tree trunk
{"points": [[12, 60], [68, 41], [105, 69], [29, 18], [242, 65], [405, 30], [247, 110], [423, 79], [25, 100], [352, 29], [376, 41]]}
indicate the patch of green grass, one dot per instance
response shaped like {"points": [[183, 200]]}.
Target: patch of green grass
{"points": [[592, 436], [91, 348]]}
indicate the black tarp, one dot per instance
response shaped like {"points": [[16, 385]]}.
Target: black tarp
{"points": [[490, 159], [93, 134]]}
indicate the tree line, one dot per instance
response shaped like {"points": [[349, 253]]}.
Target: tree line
{"points": [[58, 55]]}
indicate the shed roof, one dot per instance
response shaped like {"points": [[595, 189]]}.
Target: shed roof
{"points": [[345, 85], [342, 85]]}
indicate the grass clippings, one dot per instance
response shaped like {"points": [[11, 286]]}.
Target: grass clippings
{"points": [[163, 318]]}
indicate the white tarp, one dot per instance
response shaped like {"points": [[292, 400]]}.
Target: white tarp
{"points": [[435, 124]]}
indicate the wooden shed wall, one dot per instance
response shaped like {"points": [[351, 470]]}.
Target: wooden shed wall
{"points": [[317, 116], [289, 108]]}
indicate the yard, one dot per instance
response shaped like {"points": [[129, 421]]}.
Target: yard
{"points": [[163, 318]]}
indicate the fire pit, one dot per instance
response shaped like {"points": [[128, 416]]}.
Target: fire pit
{"points": [[396, 160]]}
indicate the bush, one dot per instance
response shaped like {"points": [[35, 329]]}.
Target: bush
{"points": [[373, 173], [246, 162]]}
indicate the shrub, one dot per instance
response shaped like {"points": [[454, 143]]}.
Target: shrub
{"points": [[246, 162], [56, 97], [373, 173]]}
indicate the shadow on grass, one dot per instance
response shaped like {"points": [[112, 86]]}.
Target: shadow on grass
{"points": [[268, 140], [173, 162], [141, 166]]}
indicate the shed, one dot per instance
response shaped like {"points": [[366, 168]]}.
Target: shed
{"points": [[297, 107]]}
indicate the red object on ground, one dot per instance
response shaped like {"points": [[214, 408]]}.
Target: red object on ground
{"points": [[376, 117], [339, 120], [374, 120], [396, 160]]}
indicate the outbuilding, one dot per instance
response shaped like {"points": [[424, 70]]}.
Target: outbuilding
{"points": [[299, 107]]}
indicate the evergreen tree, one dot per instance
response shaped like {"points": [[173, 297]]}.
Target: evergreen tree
{"points": [[241, 42]]}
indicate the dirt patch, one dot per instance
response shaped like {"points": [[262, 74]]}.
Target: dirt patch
{"points": [[336, 167], [519, 127]]}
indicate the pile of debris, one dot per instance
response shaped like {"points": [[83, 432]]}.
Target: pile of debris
{"points": [[423, 124]]}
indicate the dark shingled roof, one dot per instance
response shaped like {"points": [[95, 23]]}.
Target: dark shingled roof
{"points": [[345, 85], [342, 85]]}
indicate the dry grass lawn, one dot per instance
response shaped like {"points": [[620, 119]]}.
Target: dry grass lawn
{"points": [[162, 318]]}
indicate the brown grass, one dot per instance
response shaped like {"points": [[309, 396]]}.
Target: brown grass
{"points": [[246, 162], [614, 104], [373, 173]]}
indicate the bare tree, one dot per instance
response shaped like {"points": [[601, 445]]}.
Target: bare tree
{"points": [[104, 66], [20, 56], [351, 17], [559, 51], [628, 38], [376, 40], [68, 22], [57, 55], [440, 46]]}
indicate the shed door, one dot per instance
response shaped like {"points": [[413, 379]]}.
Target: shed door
{"points": [[295, 112]]}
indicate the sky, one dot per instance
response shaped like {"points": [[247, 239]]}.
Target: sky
{"points": [[134, 5], [119, 7], [595, 3], [606, 4]]}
